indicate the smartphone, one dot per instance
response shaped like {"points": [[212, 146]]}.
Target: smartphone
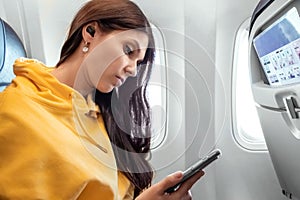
{"points": [[201, 164]]}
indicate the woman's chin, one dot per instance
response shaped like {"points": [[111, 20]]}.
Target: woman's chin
{"points": [[106, 89]]}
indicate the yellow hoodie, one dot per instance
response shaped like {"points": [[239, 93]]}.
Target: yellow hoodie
{"points": [[49, 147]]}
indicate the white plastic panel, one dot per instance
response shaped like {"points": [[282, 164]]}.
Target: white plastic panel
{"points": [[277, 108], [284, 149]]}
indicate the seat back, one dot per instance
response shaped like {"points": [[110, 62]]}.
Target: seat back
{"points": [[11, 48], [276, 88], [261, 6]]}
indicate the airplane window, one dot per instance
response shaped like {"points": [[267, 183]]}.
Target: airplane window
{"points": [[247, 128], [157, 91]]}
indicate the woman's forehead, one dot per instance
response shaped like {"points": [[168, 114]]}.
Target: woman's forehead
{"points": [[137, 35]]}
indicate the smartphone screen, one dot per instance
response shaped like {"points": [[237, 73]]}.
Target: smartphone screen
{"points": [[201, 164]]}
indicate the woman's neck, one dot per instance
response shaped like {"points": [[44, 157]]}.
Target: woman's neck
{"points": [[66, 72], [71, 73]]}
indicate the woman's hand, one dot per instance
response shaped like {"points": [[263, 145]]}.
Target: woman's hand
{"points": [[157, 191]]}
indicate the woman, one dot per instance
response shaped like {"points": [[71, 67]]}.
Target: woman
{"points": [[55, 143]]}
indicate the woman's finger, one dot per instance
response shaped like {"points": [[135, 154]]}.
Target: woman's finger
{"points": [[186, 186], [169, 181]]}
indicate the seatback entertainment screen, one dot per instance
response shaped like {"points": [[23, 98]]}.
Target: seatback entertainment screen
{"points": [[278, 49]]}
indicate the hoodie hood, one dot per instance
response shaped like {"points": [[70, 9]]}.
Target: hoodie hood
{"points": [[34, 79]]}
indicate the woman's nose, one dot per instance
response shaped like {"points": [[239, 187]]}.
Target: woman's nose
{"points": [[131, 69]]}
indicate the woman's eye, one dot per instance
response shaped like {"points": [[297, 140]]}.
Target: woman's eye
{"points": [[128, 50]]}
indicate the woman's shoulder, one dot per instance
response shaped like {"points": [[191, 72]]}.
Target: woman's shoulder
{"points": [[23, 63], [11, 100], [15, 94]]}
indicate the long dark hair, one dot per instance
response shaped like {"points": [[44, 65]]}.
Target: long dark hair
{"points": [[126, 114]]}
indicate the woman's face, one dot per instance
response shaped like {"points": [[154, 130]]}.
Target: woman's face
{"points": [[114, 57]]}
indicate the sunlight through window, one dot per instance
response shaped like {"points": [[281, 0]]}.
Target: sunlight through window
{"points": [[157, 91], [247, 128]]}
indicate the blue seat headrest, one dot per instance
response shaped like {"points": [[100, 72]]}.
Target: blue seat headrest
{"points": [[11, 48]]}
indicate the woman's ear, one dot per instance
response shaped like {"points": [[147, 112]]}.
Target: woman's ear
{"points": [[89, 31]]}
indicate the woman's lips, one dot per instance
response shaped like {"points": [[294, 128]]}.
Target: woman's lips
{"points": [[120, 80]]}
